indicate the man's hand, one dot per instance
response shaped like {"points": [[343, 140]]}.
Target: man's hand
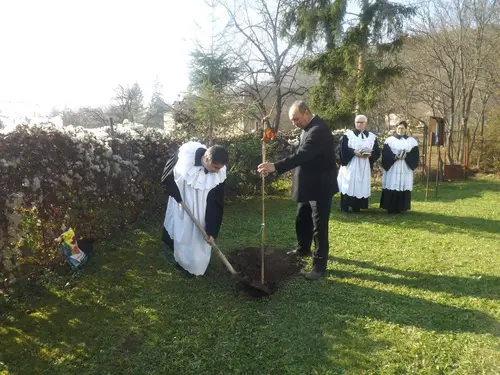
{"points": [[210, 240], [266, 168]]}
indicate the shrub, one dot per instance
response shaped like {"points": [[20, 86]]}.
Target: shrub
{"points": [[54, 178], [245, 154]]}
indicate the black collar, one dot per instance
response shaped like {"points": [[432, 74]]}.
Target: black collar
{"points": [[357, 132], [197, 158]]}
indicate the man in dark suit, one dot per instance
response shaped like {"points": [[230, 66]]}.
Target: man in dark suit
{"points": [[314, 184]]}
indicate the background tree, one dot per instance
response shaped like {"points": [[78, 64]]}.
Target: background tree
{"points": [[356, 59], [268, 58], [213, 72], [128, 103], [156, 108], [452, 69], [87, 117]]}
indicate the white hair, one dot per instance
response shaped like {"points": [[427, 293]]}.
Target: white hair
{"points": [[361, 117]]}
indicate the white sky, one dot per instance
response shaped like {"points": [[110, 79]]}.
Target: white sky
{"points": [[58, 53]]}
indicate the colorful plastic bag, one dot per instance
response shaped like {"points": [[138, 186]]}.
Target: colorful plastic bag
{"points": [[70, 250]]}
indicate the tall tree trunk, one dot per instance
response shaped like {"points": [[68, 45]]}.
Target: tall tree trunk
{"points": [[277, 107], [358, 82]]}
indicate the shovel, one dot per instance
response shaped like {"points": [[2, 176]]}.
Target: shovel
{"points": [[259, 288]]}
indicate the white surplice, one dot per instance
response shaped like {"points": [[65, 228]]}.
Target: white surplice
{"points": [[191, 250], [354, 179], [399, 177]]}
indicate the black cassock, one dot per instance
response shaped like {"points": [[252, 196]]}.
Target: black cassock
{"points": [[215, 198]]}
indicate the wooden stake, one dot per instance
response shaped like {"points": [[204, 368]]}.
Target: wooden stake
{"points": [[428, 175], [437, 170], [263, 239]]}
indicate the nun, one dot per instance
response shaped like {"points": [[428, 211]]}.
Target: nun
{"points": [[400, 158], [358, 152]]}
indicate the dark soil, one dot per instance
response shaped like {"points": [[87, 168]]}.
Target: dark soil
{"points": [[278, 267]]}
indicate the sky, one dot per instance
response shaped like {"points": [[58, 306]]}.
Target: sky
{"points": [[72, 53]]}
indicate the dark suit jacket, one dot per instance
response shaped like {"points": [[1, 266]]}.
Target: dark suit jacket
{"points": [[315, 175]]}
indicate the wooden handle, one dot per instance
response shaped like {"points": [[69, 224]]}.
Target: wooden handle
{"points": [[214, 246], [263, 238]]}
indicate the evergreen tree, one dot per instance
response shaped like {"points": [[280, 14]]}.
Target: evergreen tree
{"points": [[356, 62], [212, 75]]}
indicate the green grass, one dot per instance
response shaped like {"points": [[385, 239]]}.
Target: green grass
{"points": [[417, 293]]}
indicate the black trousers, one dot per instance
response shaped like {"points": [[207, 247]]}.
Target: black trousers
{"points": [[311, 223], [165, 237]]}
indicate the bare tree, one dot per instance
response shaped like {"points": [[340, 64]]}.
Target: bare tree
{"points": [[128, 103], [268, 59], [87, 117], [449, 59]]}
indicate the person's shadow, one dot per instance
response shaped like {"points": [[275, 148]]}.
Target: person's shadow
{"points": [[480, 286], [365, 302], [453, 191]]}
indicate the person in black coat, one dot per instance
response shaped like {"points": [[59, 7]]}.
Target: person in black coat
{"points": [[314, 184]]}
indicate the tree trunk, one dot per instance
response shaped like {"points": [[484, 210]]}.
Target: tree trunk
{"points": [[279, 103], [358, 82]]}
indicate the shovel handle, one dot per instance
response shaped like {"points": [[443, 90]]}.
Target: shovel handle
{"points": [[214, 246]]}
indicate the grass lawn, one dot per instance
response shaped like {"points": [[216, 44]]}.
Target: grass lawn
{"points": [[417, 293]]}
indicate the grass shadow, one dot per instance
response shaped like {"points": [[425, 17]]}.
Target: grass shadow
{"points": [[355, 300], [442, 223], [38, 332], [456, 190], [480, 286]]}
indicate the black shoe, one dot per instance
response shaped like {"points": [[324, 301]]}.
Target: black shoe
{"points": [[314, 275], [300, 253]]}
